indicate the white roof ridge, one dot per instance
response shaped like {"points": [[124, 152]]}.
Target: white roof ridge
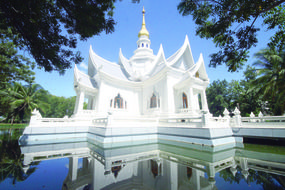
{"points": [[96, 56], [124, 62], [175, 57]]}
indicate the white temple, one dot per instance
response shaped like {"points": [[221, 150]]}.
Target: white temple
{"points": [[146, 85]]}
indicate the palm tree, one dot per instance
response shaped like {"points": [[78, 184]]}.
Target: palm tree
{"points": [[270, 81], [23, 99]]}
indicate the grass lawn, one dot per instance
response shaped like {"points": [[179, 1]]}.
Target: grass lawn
{"points": [[14, 126]]}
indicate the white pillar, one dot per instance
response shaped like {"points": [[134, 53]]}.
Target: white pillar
{"points": [[174, 176], [135, 168], [97, 174], [73, 167], [191, 100], [81, 101], [76, 103], [94, 103], [204, 101], [244, 167]]}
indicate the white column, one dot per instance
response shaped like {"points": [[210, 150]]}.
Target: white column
{"points": [[191, 100], [81, 101], [94, 103], [204, 101], [97, 174], [195, 179], [197, 106], [135, 168], [174, 176], [73, 167], [76, 103]]}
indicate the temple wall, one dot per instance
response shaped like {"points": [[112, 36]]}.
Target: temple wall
{"points": [[129, 95]]}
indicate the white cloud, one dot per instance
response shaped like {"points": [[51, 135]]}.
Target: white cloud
{"points": [[83, 65]]}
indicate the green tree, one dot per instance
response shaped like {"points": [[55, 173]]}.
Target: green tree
{"points": [[249, 101], [49, 30], [217, 97], [232, 26], [59, 106], [269, 83], [223, 94], [13, 66], [22, 100]]}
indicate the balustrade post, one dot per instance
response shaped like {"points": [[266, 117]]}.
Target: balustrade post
{"points": [[260, 115], [109, 119], [36, 115], [252, 116], [205, 119], [227, 116], [237, 117]]}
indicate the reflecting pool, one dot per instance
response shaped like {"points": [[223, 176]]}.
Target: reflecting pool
{"points": [[83, 165]]}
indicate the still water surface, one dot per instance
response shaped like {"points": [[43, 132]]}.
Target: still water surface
{"points": [[83, 165]]}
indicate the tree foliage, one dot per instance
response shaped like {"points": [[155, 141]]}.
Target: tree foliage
{"points": [[217, 97], [17, 101], [232, 26], [59, 106], [223, 94], [270, 81], [13, 66], [268, 181], [21, 100], [48, 30]]}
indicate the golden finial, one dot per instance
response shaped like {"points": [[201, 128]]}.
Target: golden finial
{"points": [[143, 31]]}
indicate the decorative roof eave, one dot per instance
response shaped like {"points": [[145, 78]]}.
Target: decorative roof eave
{"points": [[200, 67], [184, 49], [96, 59], [77, 81], [162, 73], [125, 64], [114, 80], [160, 58], [192, 81]]}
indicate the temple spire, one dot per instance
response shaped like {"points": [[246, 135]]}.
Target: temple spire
{"points": [[143, 31]]}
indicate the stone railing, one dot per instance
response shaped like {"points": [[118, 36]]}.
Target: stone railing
{"points": [[124, 121], [256, 121], [187, 110], [38, 121], [263, 119], [100, 121], [183, 121]]}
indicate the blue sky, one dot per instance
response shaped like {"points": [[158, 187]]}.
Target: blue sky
{"points": [[165, 25]]}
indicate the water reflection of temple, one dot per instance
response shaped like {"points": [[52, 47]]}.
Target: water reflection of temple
{"points": [[153, 166]]}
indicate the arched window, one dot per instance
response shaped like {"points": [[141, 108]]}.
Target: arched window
{"points": [[153, 101], [146, 45], [119, 102], [184, 100], [142, 44], [116, 169], [154, 168], [189, 173]]}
